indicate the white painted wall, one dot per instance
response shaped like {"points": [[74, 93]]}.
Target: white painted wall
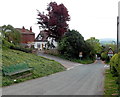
{"points": [[39, 43]]}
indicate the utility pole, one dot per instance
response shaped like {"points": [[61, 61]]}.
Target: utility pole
{"points": [[117, 33], [118, 28]]}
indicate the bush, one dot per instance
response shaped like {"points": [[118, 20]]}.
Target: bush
{"points": [[105, 57], [21, 48], [114, 65], [6, 44]]}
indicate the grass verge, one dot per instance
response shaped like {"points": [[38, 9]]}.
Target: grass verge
{"points": [[42, 66], [110, 86], [56, 53], [82, 61]]}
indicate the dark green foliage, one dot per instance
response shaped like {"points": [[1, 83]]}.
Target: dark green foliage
{"points": [[87, 51], [104, 56], [6, 44], [71, 44], [21, 48]]}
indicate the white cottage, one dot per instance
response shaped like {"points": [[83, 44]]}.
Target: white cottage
{"points": [[44, 42]]}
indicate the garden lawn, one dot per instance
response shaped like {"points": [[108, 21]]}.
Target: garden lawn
{"points": [[42, 66], [111, 86]]}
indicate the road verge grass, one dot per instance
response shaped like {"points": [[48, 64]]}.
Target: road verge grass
{"points": [[110, 86], [82, 60]]}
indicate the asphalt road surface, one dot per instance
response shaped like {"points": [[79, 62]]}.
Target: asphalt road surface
{"points": [[66, 63], [80, 80]]}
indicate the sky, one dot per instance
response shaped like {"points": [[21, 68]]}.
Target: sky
{"points": [[92, 18]]}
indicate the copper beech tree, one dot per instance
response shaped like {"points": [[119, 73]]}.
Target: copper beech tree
{"points": [[54, 22]]}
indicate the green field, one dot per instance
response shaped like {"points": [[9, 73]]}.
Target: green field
{"points": [[42, 66]]}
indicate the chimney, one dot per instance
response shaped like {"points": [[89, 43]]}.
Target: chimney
{"points": [[30, 29], [23, 29]]}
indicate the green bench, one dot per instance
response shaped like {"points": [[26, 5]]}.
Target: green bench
{"points": [[15, 69]]}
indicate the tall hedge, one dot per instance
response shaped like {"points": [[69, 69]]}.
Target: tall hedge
{"points": [[114, 64], [115, 67]]}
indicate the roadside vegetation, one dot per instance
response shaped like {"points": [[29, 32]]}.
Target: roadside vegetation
{"points": [[13, 53], [70, 42], [111, 87], [42, 66], [73, 43], [112, 80], [105, 49]]}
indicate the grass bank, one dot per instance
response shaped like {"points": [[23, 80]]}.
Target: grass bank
{"points": [[111, 87], [42, 66]]}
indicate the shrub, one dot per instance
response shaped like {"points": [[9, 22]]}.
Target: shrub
{"points": [[21, 48], [114, 65], [104, 56], [115, 68], [6, 44]]}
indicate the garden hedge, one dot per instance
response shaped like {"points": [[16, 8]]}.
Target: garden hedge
{"points": [[115, 64], [115, 67]]}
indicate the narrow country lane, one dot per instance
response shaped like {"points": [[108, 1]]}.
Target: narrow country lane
{"points": [[80, 80], [66, 63]]}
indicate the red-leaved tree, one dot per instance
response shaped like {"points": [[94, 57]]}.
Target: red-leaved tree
{"points": [[55, 21]]}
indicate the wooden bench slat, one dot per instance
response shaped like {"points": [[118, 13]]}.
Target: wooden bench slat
{"points": [[13, 73], [15, 69]]}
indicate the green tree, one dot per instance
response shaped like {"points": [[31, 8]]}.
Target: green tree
{"points": [[87, 48], [97, 48], [71, 44], [104, 56], [10, 34]]}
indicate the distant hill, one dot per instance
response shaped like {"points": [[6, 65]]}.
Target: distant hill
{"points": [[107, 40]]}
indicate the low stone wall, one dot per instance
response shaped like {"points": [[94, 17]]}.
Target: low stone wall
{"points": [[51, 51]]}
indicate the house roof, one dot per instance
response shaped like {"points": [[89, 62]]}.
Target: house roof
{"points": [[26, 31], [42, 36]]}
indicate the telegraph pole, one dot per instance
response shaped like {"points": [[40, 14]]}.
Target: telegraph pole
{"points": [[117, 33]]}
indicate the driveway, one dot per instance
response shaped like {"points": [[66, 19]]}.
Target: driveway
{"points": [[66, 63], [80, 80]]}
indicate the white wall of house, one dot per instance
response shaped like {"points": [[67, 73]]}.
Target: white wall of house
{"points": [[38, 45]]}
